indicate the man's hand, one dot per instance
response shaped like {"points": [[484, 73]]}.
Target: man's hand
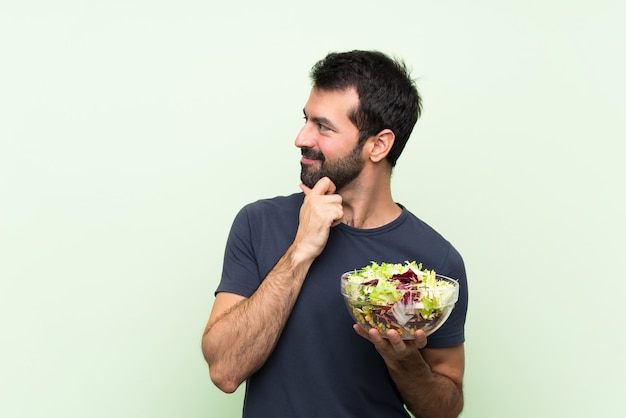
{"points": [[393, 348], [430, 380], [320, 211]]}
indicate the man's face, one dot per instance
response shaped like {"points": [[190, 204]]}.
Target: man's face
{"points": [[329, 140]]}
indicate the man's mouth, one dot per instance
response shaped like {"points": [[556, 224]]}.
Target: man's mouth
{"points": [[309, 155]]}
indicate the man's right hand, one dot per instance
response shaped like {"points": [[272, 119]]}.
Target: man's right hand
{"points": [[321, 210]]}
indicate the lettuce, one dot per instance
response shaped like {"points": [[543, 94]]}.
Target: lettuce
{"points": [[398, 295]]}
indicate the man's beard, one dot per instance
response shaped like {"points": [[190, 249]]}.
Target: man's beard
{"points": [[341, 171]]}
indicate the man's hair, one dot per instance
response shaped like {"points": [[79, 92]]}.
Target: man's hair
{"points": [[388, 98]]}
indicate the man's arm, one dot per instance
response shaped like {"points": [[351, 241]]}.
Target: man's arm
{"points": [[430, 380], [242, 332]]}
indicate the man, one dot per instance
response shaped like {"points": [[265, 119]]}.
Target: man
{"points": [[279, 321]]}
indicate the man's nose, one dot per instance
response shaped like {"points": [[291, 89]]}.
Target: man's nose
{"points": [[305, 137]]}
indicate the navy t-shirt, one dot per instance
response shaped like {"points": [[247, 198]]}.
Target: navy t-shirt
{"points": [[320, 366]]}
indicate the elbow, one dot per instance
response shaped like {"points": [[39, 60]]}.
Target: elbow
{"points": [[456, 407], [223, 382], [221, 378], [460, 407], [225, 379]]}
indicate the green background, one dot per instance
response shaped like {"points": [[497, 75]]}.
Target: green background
{"points": [[133, 131]]}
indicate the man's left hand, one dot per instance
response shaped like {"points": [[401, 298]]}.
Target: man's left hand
{"points": [[393, 348]]}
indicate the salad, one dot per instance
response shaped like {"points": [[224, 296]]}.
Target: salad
{"points": [[404, 297]]}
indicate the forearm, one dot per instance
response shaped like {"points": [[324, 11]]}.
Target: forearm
{"points": [[238, 343], [427, 394]]}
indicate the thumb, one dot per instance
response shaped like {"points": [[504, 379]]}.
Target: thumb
{"points": [[306, 189], [322, 187]]}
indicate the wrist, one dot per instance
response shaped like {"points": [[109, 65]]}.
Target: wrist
{"points": [[413, 363], [300, 255]]}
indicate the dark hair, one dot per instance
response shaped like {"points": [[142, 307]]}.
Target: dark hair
{"points": [[388, 98]]}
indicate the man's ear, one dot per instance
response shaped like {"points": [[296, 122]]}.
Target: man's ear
{"points": [[381, 144]]}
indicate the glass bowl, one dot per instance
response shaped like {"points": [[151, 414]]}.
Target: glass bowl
{"points": [[405, 311]]}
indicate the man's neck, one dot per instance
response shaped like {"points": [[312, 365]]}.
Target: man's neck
{"points": [[370, 206]]}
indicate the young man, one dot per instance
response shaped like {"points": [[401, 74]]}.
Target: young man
{"points": [[279, 321]]}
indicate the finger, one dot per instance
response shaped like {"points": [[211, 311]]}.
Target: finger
{"points": [[375, 336], [396, 341], [420, 339], [306, 189], [359, 330], [324, 186]]}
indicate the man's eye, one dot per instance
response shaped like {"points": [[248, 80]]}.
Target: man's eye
{"points": [[322, 127]]}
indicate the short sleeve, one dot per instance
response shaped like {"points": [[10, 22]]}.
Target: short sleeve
{"points": [[452, 332], [240, 273]]}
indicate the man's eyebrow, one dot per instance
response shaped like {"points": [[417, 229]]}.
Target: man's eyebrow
{"points": [[320, 119]]}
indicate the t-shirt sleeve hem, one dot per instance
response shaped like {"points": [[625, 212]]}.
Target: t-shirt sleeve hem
{"points": [[447, 342], [239, 290]]}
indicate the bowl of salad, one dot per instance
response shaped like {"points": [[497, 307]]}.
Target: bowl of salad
{"points": [[403, 297]]}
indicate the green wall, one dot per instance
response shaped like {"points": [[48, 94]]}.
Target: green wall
{"points": [[131, 132]]}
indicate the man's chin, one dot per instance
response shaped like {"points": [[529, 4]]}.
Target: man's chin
{"points": [[309, 179], [308, 182]]}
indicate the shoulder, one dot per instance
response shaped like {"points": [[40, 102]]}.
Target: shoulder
{"points": [[423, 230], [421, 225], [275, 205], [441, 252], [267, 214]]}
